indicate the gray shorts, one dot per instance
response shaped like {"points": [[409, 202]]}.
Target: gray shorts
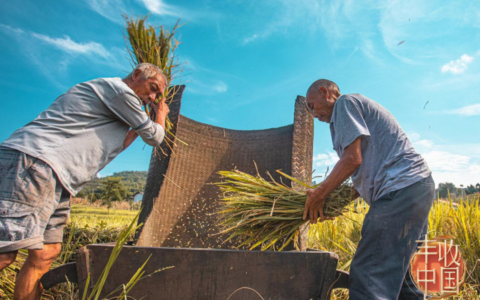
{"points": [[34, 206]]}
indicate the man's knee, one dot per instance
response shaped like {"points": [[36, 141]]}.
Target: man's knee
{"points": [[7, 259], [44, 258]]}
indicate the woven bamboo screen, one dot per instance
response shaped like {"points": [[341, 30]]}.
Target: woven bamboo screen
{"points": [[179, 200]]}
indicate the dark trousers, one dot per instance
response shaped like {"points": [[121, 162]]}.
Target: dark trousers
{"points": [[392, 225]]}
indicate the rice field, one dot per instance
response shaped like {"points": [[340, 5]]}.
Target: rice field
{"points": [[95, 225], [462, 221], [99, 217]]}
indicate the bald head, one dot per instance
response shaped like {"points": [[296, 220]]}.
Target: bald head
{"points": [[331, 86], [321, 97]]}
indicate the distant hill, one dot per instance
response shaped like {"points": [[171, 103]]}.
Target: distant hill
{"points": [[134, 181]]}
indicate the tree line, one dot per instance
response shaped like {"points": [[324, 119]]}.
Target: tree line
{"points": [[444, 189], [117, 187]]}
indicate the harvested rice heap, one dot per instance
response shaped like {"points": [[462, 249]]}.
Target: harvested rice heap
{"points": [[269, 214]]}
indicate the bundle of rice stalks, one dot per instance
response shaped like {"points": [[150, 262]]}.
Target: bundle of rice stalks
{"points": [[158, 49], [269, 214]]}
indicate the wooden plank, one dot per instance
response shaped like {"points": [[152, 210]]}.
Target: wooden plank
{"points": [[201, 274], [83, 267], [59, 275]]}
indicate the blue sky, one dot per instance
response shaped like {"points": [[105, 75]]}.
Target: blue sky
{"points": [[246, 61]]}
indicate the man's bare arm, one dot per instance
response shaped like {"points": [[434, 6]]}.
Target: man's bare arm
{"points": [[160, 116], [345, 167], [130, 138]]}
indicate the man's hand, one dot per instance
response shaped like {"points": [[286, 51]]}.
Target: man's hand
{"points": [[162, 108], [345, 167], [314, 206], [161, 111]]}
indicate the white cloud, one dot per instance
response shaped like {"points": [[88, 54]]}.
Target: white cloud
{"points": [[374, 26], [459, 164], [418, 142], [424, 143], [458, 66], [451, 167], [205, 81], [53, 55], [110, 9], [413, 136], [343, 24], [271, 17], [443, 161], [220, 87], [114, 10], [469, 110], [256, 36], [9, 29], [159, 7], [207, 87], [250, 39], [325, 160], [424, 26], [67, 45], [202, 15]]}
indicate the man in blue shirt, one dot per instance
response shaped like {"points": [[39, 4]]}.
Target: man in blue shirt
{"points": [[389, 175]]}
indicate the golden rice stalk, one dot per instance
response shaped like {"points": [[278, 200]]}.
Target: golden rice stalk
{"points": [[269, 214], [158, 48]]}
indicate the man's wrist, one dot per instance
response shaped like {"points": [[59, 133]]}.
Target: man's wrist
{"points": [[320, 193], [161, 120]]}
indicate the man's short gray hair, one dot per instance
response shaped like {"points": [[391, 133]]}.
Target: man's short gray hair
{"points": [[148, 71]]}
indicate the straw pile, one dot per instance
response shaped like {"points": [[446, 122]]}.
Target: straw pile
{"points": [[269, 214]]}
